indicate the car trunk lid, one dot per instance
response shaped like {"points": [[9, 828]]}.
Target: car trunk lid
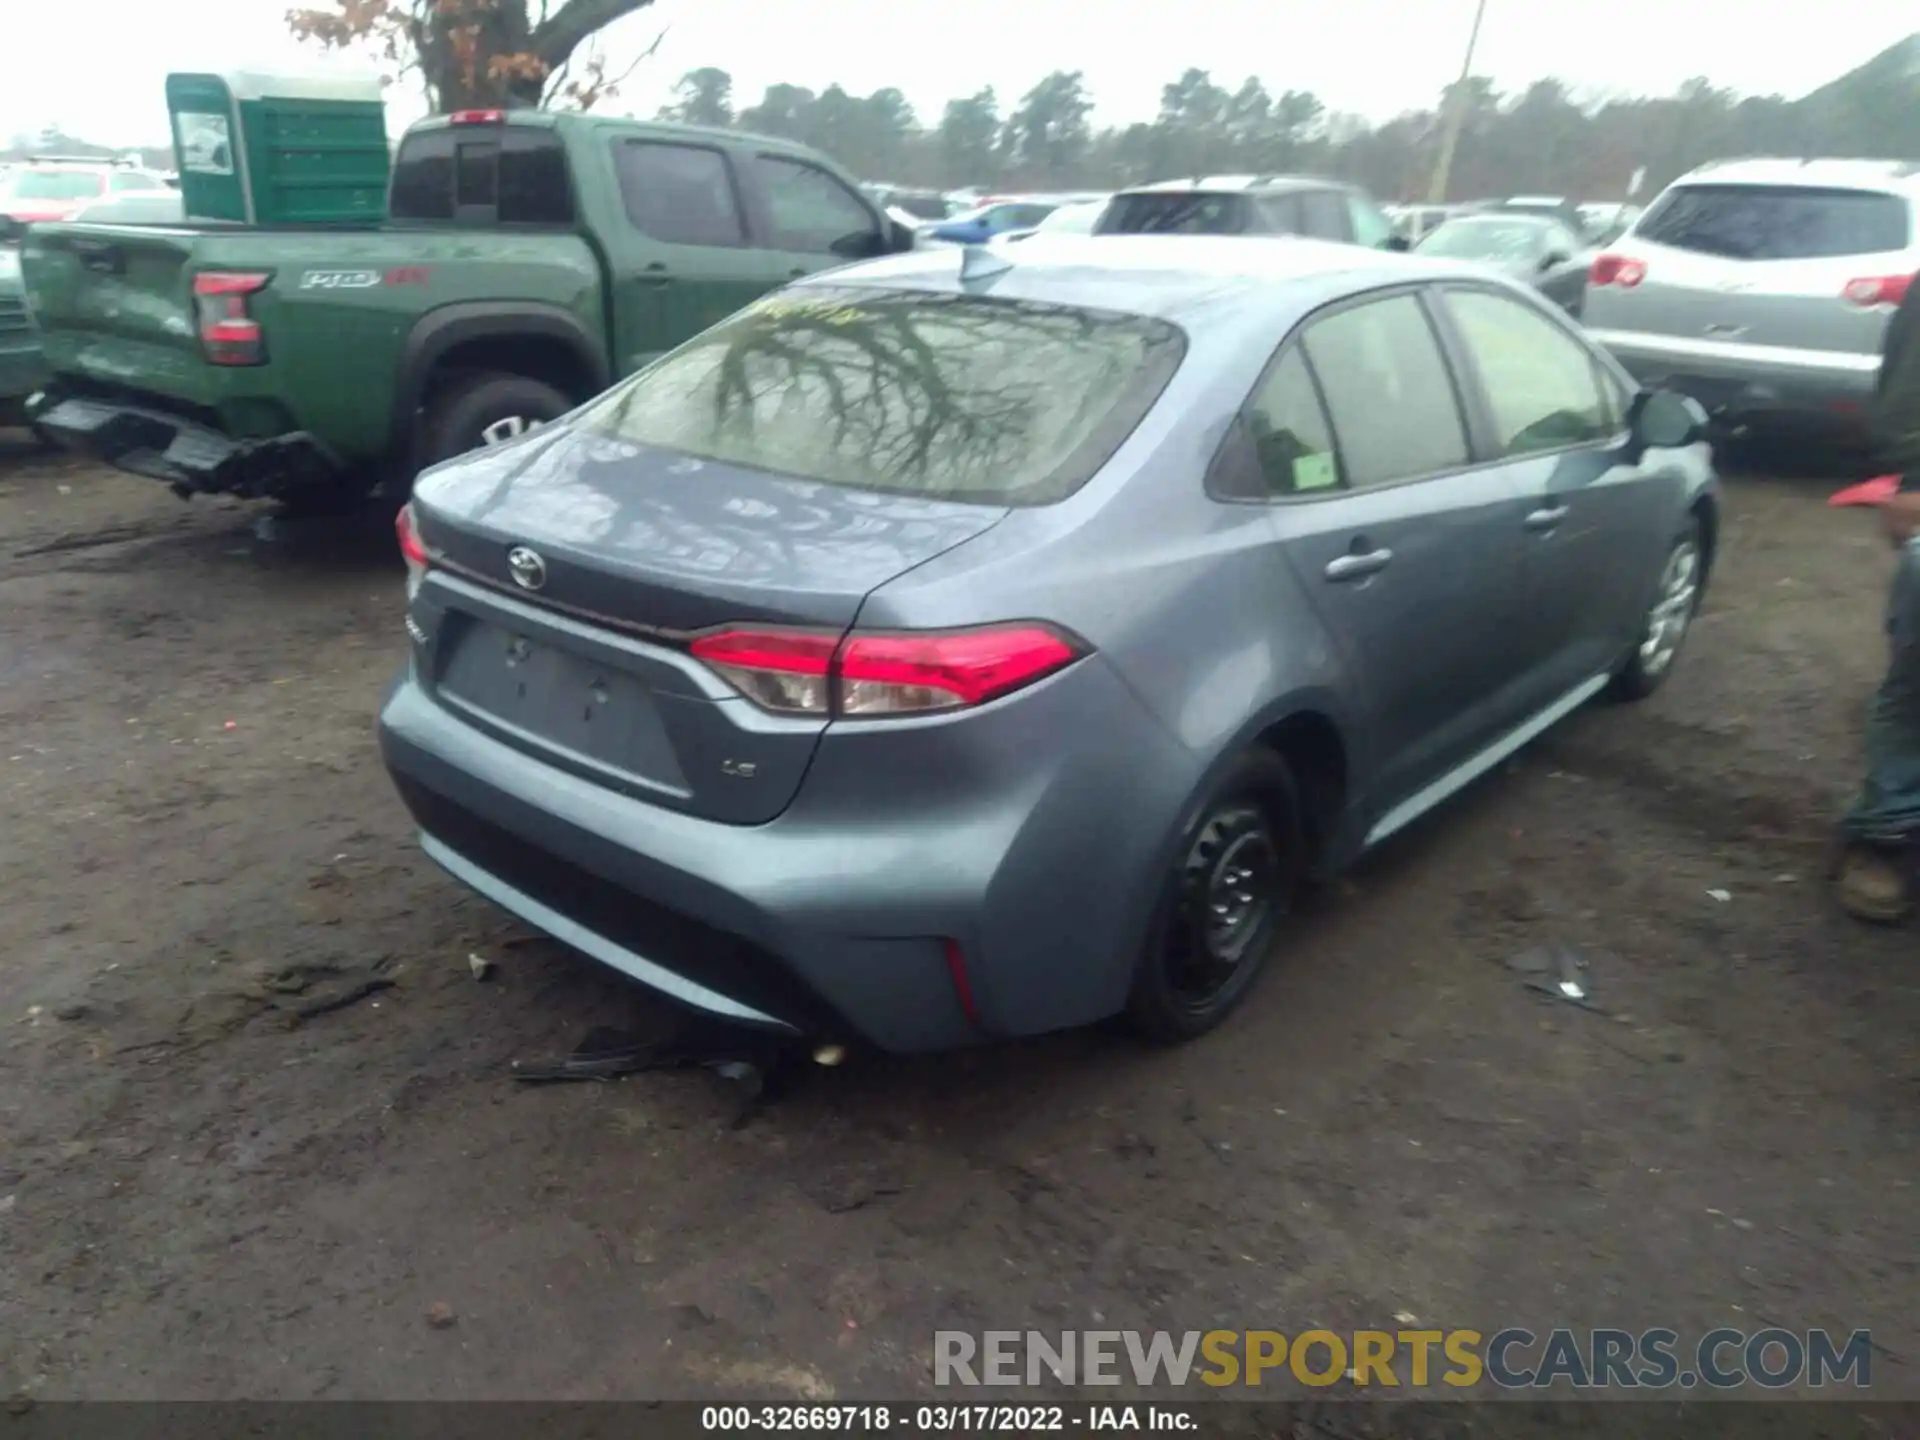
{"points": [[574, 569]]}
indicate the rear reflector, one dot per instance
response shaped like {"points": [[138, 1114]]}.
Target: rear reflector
{"points": [[1876, 290], [962, 983], [880, 673], [1617, 270]]}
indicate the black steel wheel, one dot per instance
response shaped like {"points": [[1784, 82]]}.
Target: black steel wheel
{"points": [[1225, 902]]}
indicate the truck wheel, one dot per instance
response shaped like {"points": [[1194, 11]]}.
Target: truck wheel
{"points": [[488, 410]]}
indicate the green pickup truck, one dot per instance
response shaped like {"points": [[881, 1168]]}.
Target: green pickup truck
{"points": [[528, 260]]}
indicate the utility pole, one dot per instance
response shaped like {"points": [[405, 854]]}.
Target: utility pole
{"points": [[1456, 115]]}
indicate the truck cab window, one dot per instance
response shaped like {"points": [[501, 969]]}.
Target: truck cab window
{"points": [[809, 210], [510, 175], [422, 184], [679, 194]]}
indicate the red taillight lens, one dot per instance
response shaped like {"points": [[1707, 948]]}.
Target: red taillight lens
{"points": [[1617, 270], [476, 117], [877, 674], [783, 670], [412, 549], [228, 331], [1876, 290]]}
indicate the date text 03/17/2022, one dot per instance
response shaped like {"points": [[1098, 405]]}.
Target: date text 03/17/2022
{"points": [[943, 1419]]}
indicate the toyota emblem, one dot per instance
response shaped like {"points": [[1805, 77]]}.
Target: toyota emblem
{"points": [[529, 571]]}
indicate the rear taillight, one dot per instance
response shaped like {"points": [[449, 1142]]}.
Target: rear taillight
{"points": [[477, 117], [412, 549], [1873, 291], [881, 673], [228, 331], [1617, 270]]}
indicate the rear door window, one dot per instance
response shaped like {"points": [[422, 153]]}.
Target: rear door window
{"points": [[1290, 432], [1175, 213], [1777, 222], [809, 210], [1388, 390], [951, 397], [1325, 213], [679, 194]]}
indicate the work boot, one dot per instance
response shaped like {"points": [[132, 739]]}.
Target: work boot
{"points": [[1874, 885]]}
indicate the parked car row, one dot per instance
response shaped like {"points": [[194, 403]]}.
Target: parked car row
{"points": [[831, 637]]}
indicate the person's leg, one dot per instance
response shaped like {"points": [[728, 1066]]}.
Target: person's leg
{"points": [[1875, 880]]}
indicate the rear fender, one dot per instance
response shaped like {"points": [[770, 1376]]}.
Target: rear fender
{"points": [[441, 331], [1345, 828]]}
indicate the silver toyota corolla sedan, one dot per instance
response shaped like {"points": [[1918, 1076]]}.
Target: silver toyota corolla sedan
{"points": [[973, 644]]}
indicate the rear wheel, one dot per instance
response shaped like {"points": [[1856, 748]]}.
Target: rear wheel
{"points": [[1668, 619], [488, 409], [1224, 903]]}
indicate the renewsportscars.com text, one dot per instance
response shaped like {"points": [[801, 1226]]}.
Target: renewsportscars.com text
{"points": [[1510, 1359]]}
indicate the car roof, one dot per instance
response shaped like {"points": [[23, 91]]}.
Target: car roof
{"points": [[1171, 277], [1200, 184], [1842, 174]]}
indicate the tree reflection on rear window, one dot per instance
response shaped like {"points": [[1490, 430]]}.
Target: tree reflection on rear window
{"points": [[952, 397]]}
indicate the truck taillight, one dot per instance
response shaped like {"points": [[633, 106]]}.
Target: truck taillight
{"points": [[412, 548], [228, 331], [477, 117], [1874, 291], [1617, 270], [873, 674]]}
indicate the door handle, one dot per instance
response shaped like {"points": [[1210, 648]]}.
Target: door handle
{"points": [[1358, 567], [1546, 519]]}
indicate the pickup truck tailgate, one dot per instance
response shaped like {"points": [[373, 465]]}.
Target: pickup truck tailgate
{"points": [[117, 304]]}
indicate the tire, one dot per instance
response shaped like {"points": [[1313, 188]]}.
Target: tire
{"points": [[1676, 601], [483, 409], [1194, 968]]}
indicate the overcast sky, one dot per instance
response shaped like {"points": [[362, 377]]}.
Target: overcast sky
{"points": [[95, 67]]}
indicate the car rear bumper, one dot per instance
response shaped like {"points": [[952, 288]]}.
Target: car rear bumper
{"points": [[1743, 385], [192, 458], [838, 919]]}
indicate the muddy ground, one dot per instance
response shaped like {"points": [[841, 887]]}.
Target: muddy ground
{"points": [[203, 1193]]}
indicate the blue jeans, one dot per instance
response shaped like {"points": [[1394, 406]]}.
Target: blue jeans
{"points": [[1887, 811]]}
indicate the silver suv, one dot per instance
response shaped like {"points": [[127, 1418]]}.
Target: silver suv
{"points": [[1762, 288]]}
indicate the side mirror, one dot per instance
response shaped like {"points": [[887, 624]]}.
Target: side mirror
{"points": [[899, 238], [1666, 420], [1399, 242]]}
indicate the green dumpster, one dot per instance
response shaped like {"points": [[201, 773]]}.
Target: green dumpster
{"points": [[265, 149]]}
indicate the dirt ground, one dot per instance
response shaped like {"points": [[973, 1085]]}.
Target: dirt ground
{"points": [[204, 1193]]}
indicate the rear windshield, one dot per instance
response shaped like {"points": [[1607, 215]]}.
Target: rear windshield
{"points": [[1768, 222], [50, 185], [951, 397], [1177, 213], [482, 175]]}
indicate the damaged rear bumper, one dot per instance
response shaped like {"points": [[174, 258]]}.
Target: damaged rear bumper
{"points": [[191, 458]]}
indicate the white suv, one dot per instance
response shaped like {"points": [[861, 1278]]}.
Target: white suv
{"points": [[1763, 288]]}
